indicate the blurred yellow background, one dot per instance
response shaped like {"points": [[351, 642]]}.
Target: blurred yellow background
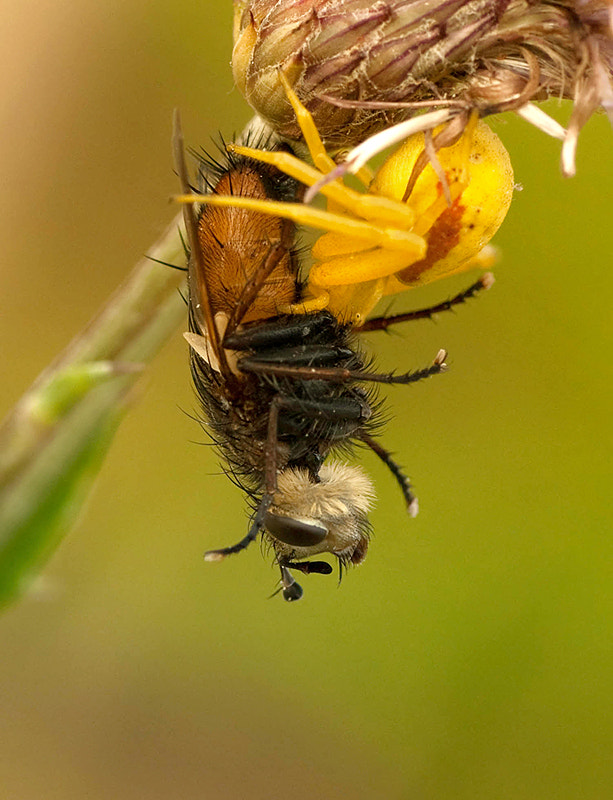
{"points": [[471, 656]]}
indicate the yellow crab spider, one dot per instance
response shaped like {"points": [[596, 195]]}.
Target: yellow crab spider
{"points": [[399, 233]]}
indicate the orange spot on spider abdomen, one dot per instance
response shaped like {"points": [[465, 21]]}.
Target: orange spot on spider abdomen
{"points": [[443, 236]]}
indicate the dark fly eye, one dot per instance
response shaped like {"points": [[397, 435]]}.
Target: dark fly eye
{"points": [[293, 532]]}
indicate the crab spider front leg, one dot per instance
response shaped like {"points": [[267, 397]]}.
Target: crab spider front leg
{"points": [[309, 131], [349, 229], [375, 208], [311, 136]]}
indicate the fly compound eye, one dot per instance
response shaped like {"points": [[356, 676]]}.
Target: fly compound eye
{"points": [[294, 532]]}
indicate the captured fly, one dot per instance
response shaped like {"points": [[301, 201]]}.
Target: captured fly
{"points": [[282, 393]]}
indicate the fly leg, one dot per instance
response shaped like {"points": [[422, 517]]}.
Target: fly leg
{"points": [[343, 375], [270, 482], [396, 470], [383, 323]]}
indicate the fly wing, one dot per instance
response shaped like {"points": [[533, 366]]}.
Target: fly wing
{"points": [[201, 315]]}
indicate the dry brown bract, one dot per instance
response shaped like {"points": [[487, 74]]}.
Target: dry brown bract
{"points": [[348, 58]]}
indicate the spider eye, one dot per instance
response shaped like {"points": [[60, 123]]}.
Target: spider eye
{"points": [[293, 531]]}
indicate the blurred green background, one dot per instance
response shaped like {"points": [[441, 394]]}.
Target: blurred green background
{"points": [[471, 656]]}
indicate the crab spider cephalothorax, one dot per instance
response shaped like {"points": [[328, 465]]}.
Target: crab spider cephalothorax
{"points": [[427, 213]]}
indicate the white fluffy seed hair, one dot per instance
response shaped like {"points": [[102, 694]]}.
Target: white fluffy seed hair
{"points": [[342, 490]]}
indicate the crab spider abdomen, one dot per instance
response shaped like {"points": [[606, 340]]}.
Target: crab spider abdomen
{"points": [[480, 180], [454, 223]]}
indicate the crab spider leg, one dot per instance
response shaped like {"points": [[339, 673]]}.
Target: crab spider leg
{"points": [[485, 259], [308, 128], [358, 157], [310, 305], [311, 136], [372, 207], [289, 164], [356, 268], [374, 236]]}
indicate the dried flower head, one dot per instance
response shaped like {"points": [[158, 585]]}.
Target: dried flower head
{"points": [[363, 65]]}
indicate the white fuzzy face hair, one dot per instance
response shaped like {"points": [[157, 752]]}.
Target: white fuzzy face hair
{"points": [[339, 503]]}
